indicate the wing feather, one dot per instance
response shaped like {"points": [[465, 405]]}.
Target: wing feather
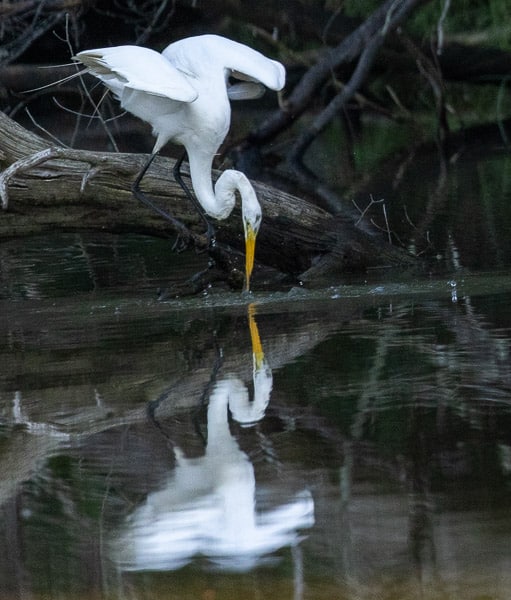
{"points": [[139, 69]]}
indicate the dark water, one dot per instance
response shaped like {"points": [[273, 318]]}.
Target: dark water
{"points": [[352, 442], [348, 442]]}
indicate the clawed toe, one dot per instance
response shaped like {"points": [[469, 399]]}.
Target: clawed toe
{"points": [[182, 243], [211, 235]]}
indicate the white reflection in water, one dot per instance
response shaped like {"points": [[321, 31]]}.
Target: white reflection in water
{"points": [[208, 506]]}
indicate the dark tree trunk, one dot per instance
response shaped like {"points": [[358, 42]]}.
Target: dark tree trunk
{"points": [[54, 188]]}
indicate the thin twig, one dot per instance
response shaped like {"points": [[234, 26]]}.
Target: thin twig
{"points": [[45, 131], [389, 235], [23, 164], [440, 26], [363, 213]]}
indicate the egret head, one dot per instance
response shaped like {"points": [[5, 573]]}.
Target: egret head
{"points": [[252, 217], [226, 186]]}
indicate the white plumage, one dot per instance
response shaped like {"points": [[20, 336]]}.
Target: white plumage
{"points": [[184, 93]]}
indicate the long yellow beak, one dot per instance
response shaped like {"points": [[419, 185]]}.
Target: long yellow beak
{"points": [[250, 240], [257, 348]]}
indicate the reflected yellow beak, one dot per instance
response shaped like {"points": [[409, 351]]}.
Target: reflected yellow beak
{"points": [[257, 348], [250, 240]]}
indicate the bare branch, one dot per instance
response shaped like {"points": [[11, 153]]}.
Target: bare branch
{"points": [[24, 164], [389, 15], [396, 11], [24, 22]]}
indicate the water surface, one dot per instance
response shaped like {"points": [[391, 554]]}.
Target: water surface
{"points": [[348, 442]]}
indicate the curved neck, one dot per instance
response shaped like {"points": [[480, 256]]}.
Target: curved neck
{"points": [[218, 203], [218, 206]]}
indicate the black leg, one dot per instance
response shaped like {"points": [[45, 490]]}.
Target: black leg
{"points": [[182, 230], [210, 230]]}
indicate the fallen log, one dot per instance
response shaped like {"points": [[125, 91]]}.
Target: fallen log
{"points": [[51, 188]]}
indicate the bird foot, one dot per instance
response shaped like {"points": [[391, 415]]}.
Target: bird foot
{"points": [[210, 235], [210, 245], [182, 243]]}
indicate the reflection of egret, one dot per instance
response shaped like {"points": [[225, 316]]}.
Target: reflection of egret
{"points": [[208, 505], [244, 411], [184, 95]]}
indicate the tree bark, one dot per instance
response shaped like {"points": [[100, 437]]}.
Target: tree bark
{"points": [[65, 189]]}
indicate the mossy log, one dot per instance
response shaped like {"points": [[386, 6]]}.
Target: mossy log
{"points": [[51, 188]]}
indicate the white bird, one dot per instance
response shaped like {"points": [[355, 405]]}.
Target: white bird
{"points": [[183, 93]]}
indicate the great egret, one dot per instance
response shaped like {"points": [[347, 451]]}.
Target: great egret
{"points": [[183, 93]]}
